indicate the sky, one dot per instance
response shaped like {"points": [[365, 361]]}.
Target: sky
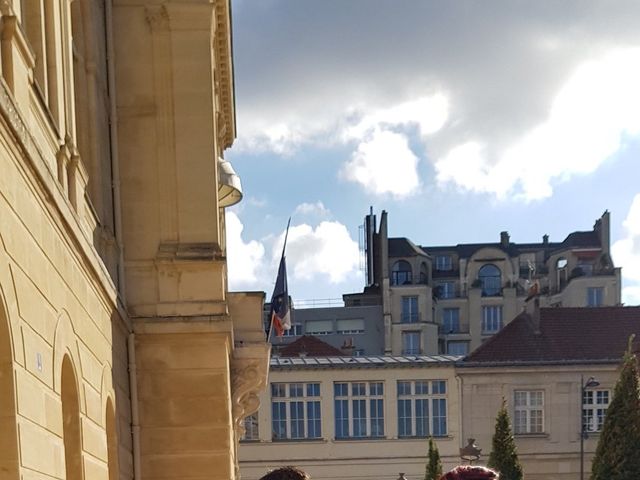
{"points": [[459, 118]]}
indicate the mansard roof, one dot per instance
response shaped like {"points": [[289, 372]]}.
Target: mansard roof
{"points": [[403, 247], [562, 335], [588, 239]]}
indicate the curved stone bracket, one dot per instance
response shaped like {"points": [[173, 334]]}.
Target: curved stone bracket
{"points": [[249, 371]]}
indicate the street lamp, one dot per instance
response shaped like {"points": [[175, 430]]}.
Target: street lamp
{"points": [[470, 452], [591, 382]]}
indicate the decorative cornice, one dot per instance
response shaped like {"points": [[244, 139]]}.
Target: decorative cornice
{"points": [[223, 53]]}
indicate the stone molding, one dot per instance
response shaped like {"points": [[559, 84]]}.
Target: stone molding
{"points": [[51, 192]]}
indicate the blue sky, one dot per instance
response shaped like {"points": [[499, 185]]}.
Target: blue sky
{"points": [[461, 119]]}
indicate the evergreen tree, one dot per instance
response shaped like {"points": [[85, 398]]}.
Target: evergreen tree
{"points": [[504, 455], [434, 465], [617, 455]]}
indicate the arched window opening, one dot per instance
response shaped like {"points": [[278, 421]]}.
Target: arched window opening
{"points": [[71, 422], [9, 450], [490, 280], [112, 442], [424, 273], [401, 273], [562, 276]]}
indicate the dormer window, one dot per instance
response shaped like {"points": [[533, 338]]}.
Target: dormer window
{"points": [[444, 263], [490, 280], [401, 273]]}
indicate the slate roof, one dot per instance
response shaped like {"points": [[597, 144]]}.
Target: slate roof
{"points": [[403, 247], [466, 250], [310, 346], [572, 335]]}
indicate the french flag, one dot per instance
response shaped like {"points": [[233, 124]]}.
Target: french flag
{"points": [[280, 318]]}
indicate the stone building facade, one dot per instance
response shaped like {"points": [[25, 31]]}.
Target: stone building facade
{"points": [[450, 299], [348, 418], [122, 355]]}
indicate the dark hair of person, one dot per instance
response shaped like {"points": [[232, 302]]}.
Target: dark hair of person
{"points": [[286, 473], [470, 472]]}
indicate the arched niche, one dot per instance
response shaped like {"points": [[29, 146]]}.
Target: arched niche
{"points": [[112, 440], [9, 459], [71, 433]]}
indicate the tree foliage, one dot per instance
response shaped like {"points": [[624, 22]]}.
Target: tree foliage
{"points": [[617, 455], [504, 455], [434, 465]]}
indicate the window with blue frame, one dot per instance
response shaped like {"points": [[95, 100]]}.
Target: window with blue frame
{"points": [[491, 318], [443, 263], [295, 411], [401, 273], [460, 347], [409, 310], [251, 431], [446, 290], [450, 320], [422, 408], [595, 296], [359, 409], [490, 279], [294, 331], [410, 343]]}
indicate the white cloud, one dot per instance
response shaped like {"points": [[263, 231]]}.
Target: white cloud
{"points": [[588, 120], [245, 260], [317, 208], [631, 295], [324, 251], [384, 164], [428, 113], [626, 254]]}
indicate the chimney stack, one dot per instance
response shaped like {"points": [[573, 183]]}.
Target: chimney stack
{"points": [[504, 239]]}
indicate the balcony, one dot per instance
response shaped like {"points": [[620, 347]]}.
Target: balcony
{"points": [[440, 292], [409, 317], [444, 273], [453, 329], [533, 269]]}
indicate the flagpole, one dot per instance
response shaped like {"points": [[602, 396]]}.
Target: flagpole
{"points": [[284, 246], [286, 235]]}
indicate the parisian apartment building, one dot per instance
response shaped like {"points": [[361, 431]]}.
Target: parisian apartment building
{"points": [[122, 354], [430, 300]]}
